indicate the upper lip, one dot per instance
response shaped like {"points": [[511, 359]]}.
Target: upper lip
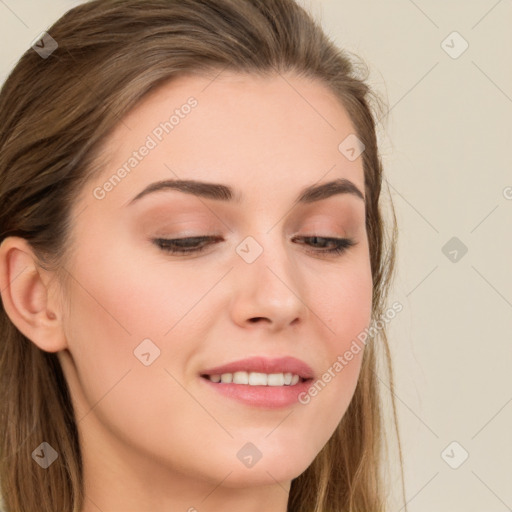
{"points": [[264, 365]]}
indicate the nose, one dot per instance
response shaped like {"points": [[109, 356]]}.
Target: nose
{"points": [[269, 290]]}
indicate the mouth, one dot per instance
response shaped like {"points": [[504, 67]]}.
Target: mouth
{"points": [[261, 382]]}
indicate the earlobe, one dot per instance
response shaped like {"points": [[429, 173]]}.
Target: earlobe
{"points": [[26, 297]]}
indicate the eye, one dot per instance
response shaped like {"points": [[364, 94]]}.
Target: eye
{"points": [[184, 245], [338, 245], [197, 244]]}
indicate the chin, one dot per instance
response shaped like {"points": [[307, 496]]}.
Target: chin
{"points": [[280, 467], [263, 475]]}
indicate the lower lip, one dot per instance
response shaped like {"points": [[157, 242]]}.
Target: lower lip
{"points": [[269, 397]]}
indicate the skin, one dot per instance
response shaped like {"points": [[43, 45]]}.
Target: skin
{"points": [[156, 438]]}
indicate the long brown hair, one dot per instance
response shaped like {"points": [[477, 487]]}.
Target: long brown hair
{"points": [[54, 114]]}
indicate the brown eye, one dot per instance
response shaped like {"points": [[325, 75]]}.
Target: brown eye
{"points": [[338, 245], [183, 245]]}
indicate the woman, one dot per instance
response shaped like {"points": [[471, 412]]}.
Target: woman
{"points": [[193, 259]]}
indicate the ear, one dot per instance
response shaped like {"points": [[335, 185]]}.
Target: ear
{"points": [[28, 298]]}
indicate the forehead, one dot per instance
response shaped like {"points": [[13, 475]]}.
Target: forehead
{"points": [[275, 133]]}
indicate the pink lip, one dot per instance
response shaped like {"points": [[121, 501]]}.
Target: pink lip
{"points": [[266, 397], [265, 365]]}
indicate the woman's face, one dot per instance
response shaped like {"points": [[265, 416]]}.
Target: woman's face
{"points": [[144, 325]]}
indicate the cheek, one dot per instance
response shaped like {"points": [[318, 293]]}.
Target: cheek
{"points": [[344, 305], [353, 316], [114, 306], [128, 295]]}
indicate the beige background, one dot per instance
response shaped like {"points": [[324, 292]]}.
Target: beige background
{"points": [[445, 146]]}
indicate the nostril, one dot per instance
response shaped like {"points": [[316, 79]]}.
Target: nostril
{"points": [[256, 319]]}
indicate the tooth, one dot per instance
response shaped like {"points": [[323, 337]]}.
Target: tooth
{"points": [[276, 379], [257, 379], [241, 378], [226, 378]]}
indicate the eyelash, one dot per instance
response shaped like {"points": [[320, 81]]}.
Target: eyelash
{"points": [[342, 244]]}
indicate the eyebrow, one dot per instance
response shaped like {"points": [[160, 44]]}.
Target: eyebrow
{"points": [[220, 192]]}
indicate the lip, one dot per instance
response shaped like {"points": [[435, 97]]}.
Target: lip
{"points": [[265, 397], [264, 365]]}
